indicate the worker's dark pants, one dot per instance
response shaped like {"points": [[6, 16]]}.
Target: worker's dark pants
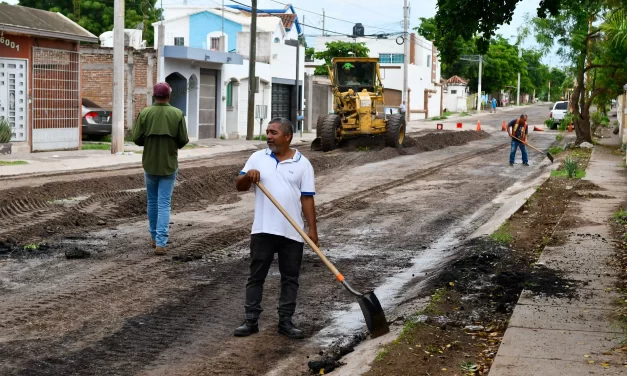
{"points": [[262, 250]]}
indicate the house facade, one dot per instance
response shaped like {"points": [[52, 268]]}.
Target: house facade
{"points": [[424, 88], [40, 78], [455, 95], [209, 73]]}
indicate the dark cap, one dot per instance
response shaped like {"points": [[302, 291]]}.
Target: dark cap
{"points": [[161, 89]]}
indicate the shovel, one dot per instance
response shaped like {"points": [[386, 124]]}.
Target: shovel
{"points": [[548, 155], [370, 306]]}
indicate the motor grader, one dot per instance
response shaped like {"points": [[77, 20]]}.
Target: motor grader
{"points": [[358, 106]]}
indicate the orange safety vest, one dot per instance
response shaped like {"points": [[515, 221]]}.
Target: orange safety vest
{"points": [[522, 131]]}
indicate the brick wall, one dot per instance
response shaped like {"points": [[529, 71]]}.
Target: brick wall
{"points": [[140, 75]]}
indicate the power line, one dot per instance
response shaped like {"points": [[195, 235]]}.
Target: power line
{"points": [[370, 10], [329, 17]]}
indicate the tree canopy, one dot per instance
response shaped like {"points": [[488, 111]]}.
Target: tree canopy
{"points": [[339, 49], [97, 16]]}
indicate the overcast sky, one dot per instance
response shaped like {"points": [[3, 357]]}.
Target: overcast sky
{"points": [[376, 17]]}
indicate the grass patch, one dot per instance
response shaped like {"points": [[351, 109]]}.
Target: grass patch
{"points": [[96, 146], [191, 146], [447, 113], [438, 296], [12, 163], [621, 216], [559, 137], [382, 355], [563, 174], [554, 150], [435, 118], [262, 138], [503, 235], [464, 114], [363, 148]]}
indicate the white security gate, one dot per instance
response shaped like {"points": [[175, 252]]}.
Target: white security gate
{"points": [[13, 96], [56, 99]]}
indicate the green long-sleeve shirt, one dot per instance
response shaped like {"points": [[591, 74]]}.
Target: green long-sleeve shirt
{"points": [[161, 130]]}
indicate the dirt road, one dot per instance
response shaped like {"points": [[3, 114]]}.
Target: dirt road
{"points": [[123, 311]]}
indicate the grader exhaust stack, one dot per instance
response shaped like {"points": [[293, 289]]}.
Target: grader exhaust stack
{"points": [[358, 106]]}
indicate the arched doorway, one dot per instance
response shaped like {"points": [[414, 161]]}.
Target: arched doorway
{"points": [[178, 83]]}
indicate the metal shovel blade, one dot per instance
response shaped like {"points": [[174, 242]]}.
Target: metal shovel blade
{"points": [[374, 315]]}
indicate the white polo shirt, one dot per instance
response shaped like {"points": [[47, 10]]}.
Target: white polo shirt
{"points": [[287, 181]]}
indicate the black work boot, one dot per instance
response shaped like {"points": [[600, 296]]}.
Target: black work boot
{"points": [[247, 328], [287, 328]]}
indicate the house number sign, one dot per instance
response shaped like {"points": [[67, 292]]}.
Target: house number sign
{"points": [[4, 41]]}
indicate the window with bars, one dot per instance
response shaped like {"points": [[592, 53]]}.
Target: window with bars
{"points": [[215, 44], [391, 58], [179, 41]]}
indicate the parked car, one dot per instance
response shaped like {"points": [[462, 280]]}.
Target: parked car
{"points": [[558, 112], [96, 120]]}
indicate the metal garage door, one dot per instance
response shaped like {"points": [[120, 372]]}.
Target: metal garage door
{"points": [[56, 99], [13, 86], [207, 110], [281, 101]]}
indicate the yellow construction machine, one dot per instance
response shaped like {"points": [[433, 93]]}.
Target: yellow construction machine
{"points": [[358, 107]]}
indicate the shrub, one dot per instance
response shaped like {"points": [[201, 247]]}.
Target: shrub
{"points": [[559, 137], [571, 166], [549, 123], [5, 131]]}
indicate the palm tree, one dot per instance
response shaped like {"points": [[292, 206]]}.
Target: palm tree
{"points": [[615, 27]]}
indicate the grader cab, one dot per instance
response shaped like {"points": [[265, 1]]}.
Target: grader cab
{"points": [[358, 106]]}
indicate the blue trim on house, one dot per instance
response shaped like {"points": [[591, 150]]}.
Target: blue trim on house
{"points": [[242, 173], [308, 193], [203, 23], [290, 7]]}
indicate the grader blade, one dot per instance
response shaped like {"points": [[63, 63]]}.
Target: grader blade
{"points": [[316, 145]]}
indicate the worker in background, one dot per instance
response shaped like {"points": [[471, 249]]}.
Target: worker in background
{"points": [[161, 130], [289, 177], [493, 105], [402, 109], [518, 128]]}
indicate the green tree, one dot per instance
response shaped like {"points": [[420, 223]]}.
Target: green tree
{"points": [[478, 20], [427, 28], [97, 16], [339, 49], [597, 67], [558, 80]]}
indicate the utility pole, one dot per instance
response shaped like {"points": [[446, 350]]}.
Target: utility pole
{"points": [[406, 53], [117, 129], [222, 44], [479, 88], [549, 99], [323, 19], [251, 72], [476, 58], [518, 90]]}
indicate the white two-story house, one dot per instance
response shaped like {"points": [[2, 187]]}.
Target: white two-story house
{"points": [[424, 86], [210, 78]]}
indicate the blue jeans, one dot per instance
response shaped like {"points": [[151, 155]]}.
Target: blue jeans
{"points": [[159, 194], [523, 150]]}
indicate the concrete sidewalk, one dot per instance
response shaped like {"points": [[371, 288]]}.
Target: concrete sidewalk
{"points": [[562, 337]]}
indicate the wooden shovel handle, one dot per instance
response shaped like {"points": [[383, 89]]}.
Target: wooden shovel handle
{"points": [[534, 148], [313, 246]]}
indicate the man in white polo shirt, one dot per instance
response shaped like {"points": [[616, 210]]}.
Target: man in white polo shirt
{"points": [[289, 177]]}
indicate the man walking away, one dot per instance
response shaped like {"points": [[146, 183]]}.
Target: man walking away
{"points": [[493, 105], [518, 128], [289, 177], [402, 109], [161, 130]]}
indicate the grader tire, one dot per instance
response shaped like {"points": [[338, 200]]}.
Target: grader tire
{"points": [[395, 132], [328, 132], [319, 124]]}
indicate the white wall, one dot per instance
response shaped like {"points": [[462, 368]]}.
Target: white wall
{"points": [[186, 70], [455, 102], [175, 28], [284, 62]]}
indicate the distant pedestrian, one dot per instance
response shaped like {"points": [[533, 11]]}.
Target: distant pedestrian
{"points": [[493, 105], [289, 177], [402, 109], [518, 128], [161, 130]]}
